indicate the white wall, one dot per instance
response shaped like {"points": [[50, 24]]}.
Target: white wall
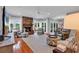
{"points": [[0, 20]]}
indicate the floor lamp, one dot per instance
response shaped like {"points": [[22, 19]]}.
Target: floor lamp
{"points": [[71, 21]]}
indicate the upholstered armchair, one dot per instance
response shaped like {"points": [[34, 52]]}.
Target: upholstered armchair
{"points": [[69, 41]]}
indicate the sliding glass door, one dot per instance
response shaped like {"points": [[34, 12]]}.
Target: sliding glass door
{"points": [[40, 24], [53, 27]]}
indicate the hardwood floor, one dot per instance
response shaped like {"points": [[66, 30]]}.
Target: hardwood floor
{"points": [[21, 46]]}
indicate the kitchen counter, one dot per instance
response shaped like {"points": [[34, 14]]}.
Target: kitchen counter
{"points": [[8, 41], [38, 43], [6, 46]]}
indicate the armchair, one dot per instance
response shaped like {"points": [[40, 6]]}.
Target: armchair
{"points": [[69, 41]]}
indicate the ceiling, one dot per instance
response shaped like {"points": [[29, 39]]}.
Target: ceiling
{"points": [[40, 11]]}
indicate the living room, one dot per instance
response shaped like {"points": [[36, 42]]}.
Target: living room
{"points": [[42, 29]]}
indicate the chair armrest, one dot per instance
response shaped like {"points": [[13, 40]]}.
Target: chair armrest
{"points": [[61, 47], [63, 42], [70, 39]]}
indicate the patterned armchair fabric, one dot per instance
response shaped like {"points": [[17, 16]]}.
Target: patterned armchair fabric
{"points": [[70, 41]]}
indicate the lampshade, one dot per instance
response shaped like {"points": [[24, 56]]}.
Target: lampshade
{"points": [[71, 21]]}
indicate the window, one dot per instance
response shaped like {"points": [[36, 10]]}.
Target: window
{"points": [[11, 26], [17, 26], [7, 19], [38, 25], [44, 27], [51, 28], [35, 24], [56, 26]]}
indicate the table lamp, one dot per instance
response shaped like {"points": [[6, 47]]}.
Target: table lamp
{"points": [[71, 21]]}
